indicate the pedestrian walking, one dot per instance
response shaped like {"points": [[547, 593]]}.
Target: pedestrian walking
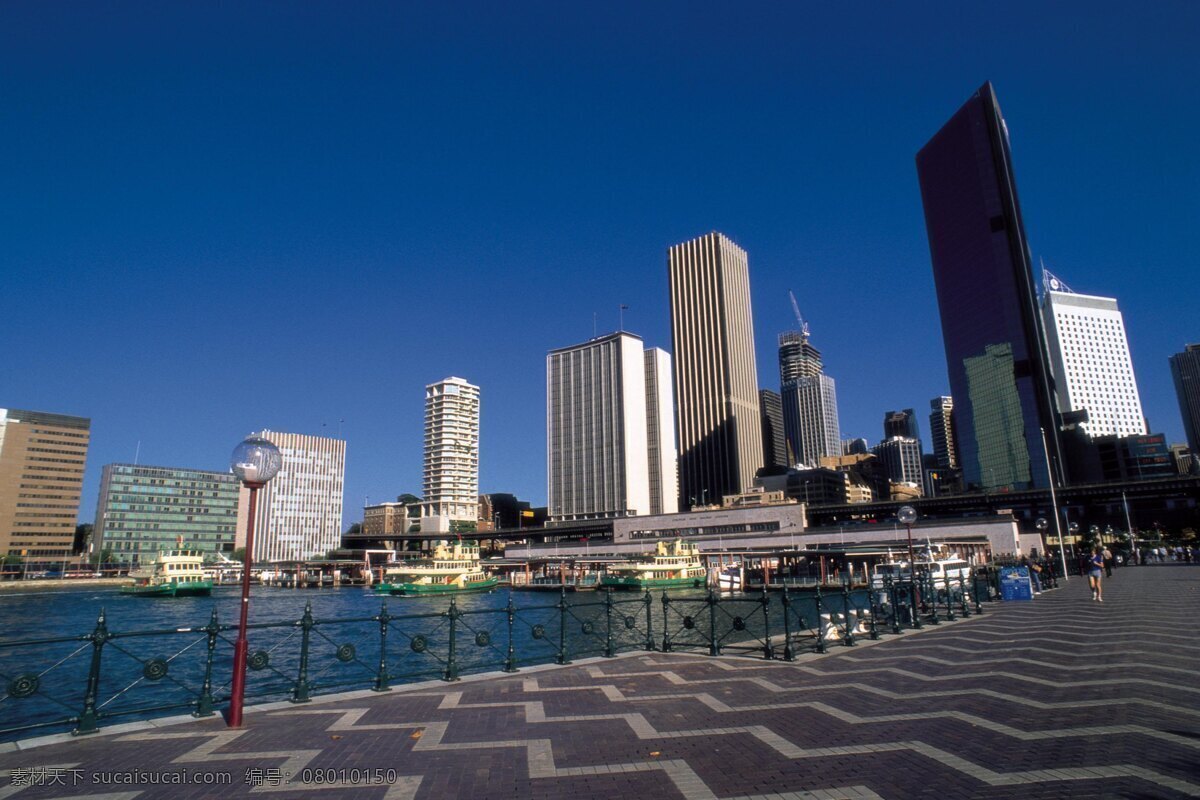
{"points": [[1095, 574], [1108, 562]]}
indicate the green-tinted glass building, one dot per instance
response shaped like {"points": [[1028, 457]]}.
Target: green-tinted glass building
{"points": [[143, 510]]}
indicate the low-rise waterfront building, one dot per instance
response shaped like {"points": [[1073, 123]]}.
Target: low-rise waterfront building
{"points": [[143, 510]]}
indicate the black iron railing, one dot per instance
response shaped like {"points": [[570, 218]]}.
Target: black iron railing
{"points": [[81, 682]]}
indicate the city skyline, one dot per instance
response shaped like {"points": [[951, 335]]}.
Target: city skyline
{"points": [[159, 226]]}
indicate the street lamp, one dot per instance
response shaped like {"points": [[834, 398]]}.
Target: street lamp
{"points": [[907, 515], [255, 461], [1042, 525]]}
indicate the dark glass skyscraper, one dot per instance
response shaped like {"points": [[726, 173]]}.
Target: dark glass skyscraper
{"points": [[999, 373], [1185, 369]]}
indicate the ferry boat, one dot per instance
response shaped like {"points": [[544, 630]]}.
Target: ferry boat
{"points": [[175, 573], [452, 568], [673, 564]]}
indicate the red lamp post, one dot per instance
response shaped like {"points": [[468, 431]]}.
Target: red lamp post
{"points": [[255, 461]]}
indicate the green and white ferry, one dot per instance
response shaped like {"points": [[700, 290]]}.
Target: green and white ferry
{"points": [[175, 573], [453, 568], [673, 564]]}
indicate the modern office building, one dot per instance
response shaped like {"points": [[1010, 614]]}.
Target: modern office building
{"points": [[299, 512], [662, 459], [810, 419], [718, 425], [597, 448], [996, 352], [143, 510], [941, 432], [451, 476], [1089, 352], [900, 457], [42, 458], [1185, 369], [1134, 458], [774, 441]]}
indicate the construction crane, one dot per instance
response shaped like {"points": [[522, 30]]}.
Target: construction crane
{"points": [[799, 319]]}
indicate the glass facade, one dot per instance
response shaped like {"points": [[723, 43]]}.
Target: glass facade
{"points": [[143, 510], [995, 345]]}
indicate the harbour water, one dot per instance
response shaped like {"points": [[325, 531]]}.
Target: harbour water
{"points": [[155, 656]]}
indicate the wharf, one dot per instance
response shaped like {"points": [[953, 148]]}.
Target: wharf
{"points": [[1058, 697]]}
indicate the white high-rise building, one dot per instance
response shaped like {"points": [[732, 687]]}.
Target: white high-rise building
{"points": [[610, 445], [1089, 353], [299, 512], [451, 479], [660, 433], [718, 422]]}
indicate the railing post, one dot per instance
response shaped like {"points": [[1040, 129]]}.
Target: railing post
{"points": [[451, 673], [931, 593], [204, 703], [768, 648], [714, 645], [649, 622], [666, 640], [949, 599], [851, 621], [300, 690], [88, 717], [912, 599], [975, 591], [962, 596], [894, 598], [820, 646], [788, 654], [608, 637], [381, 677], [561, 658], [873, 604], [510, 660]]}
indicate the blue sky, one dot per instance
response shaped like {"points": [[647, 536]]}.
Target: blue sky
{"points": [[218, 218]]}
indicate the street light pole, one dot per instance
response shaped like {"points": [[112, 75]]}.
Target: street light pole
{"points": [[255, 461]]}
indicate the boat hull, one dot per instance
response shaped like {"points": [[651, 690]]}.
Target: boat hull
{"points": [[613, 582], [422, 589], [171, 589]]}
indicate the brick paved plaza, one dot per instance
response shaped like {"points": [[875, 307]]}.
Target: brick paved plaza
{"points": [[1061, 697]]}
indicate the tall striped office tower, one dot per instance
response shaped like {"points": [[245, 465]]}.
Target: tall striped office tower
{"points": [[718, 423]]}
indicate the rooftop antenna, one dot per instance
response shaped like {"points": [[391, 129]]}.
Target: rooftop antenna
{"points": [[621, 313], [799, 318], [593, 324], [1051, 282], [137, 452]]}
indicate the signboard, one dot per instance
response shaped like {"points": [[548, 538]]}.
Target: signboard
{"points": [[1014, 584]]}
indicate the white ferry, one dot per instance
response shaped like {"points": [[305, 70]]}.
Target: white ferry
{"points": [[452, 568], [672, 564], [175, 573]]}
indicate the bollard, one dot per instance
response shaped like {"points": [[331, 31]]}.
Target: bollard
{"points": [[204, 703], [89, 716], [300, 689], [510, 658], [381, 677], [873, 602], [451, 672], [788, 654]]}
